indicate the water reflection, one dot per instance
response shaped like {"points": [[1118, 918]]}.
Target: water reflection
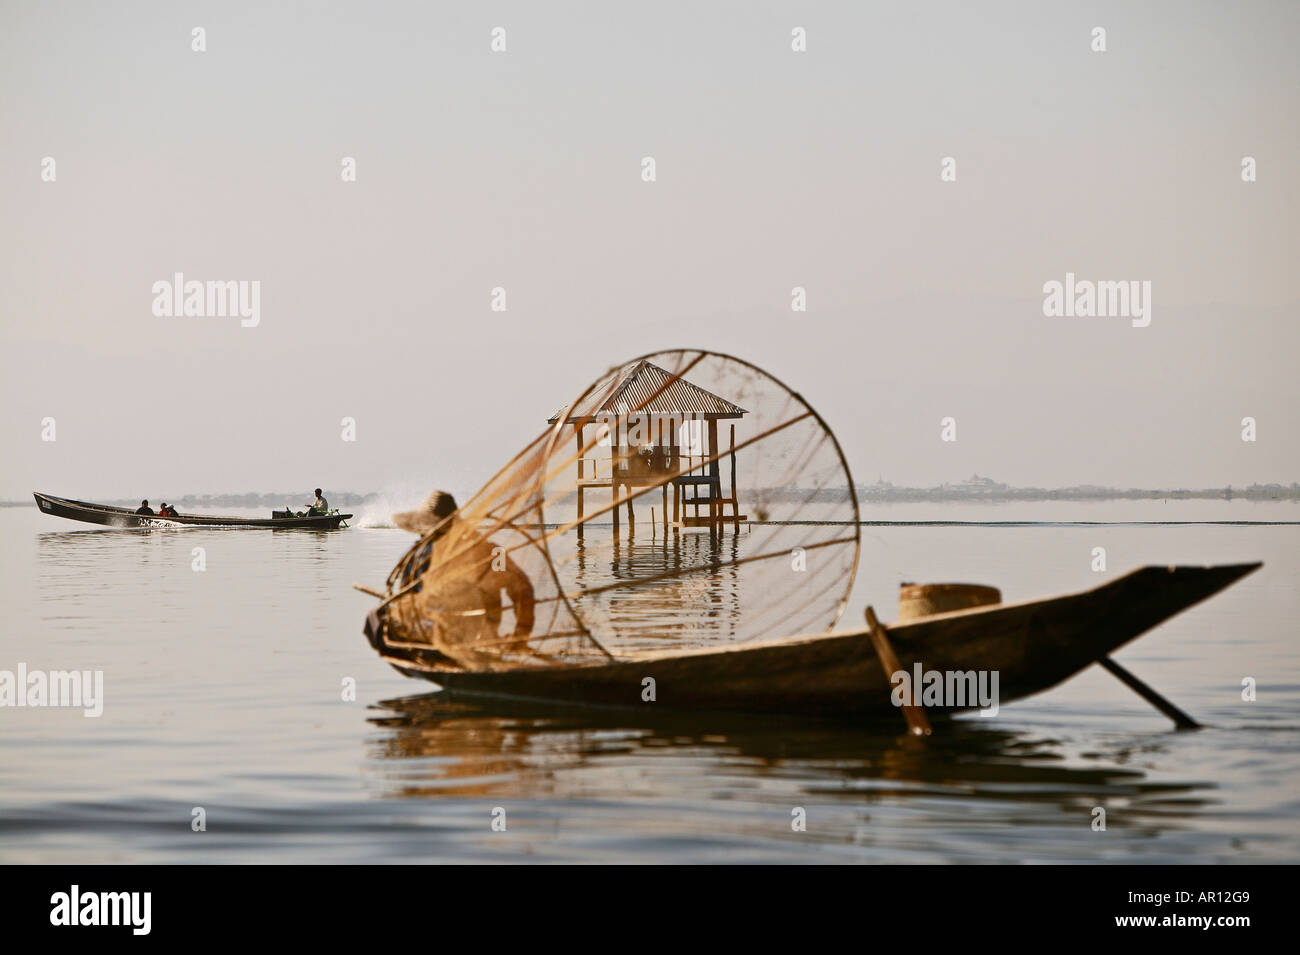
{"points": [[134, 562], [434, 746], [691, 587], [638, 591]]}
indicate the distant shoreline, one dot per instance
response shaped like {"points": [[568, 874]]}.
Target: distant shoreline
{"points": [[977, 488], [977, 491], [1257, 492]]}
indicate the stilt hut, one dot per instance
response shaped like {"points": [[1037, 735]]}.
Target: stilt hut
{"points": [[657, 429]]}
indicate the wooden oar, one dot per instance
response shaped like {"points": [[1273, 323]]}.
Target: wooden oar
{"points": [[917, 724], [1181, 719]]}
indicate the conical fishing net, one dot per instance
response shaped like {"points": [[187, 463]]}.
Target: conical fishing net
{"points": [[686, 499]]}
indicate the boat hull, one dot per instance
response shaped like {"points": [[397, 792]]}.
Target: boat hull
{"points": [[108, 516], [1033, 646]]}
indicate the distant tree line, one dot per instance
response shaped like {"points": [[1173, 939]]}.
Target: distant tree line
{"points": [[985, 489]]}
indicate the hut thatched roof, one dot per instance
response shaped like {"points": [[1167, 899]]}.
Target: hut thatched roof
{"points": [[645, 388]]}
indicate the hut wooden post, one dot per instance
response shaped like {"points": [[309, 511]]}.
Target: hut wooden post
{"points": [[577, 430], [715, 478], [629, 493], [735, 495], [613, 469], [664, 445]]}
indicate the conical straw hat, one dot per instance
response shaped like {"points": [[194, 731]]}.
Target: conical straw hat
{"points": [[437, 507]]}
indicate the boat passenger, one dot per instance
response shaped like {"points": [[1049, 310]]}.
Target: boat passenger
{"points": [[144, 508], [166, 510]]}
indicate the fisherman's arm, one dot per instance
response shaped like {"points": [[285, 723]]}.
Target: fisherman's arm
{"points": [[520, 590]]}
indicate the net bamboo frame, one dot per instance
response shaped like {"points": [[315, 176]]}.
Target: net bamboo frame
{"points": [[581, 587]]}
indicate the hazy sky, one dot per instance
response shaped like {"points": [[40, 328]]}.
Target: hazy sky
{"points": [[522, 169]]}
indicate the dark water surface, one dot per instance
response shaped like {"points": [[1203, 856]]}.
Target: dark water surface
{"points": [[223, 690]]}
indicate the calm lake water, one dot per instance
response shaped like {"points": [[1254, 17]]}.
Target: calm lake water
{"points": [[223, 690]]}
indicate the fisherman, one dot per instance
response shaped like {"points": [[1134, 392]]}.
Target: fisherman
{"points": [[144, 508], [319, 507], [461, 578]]}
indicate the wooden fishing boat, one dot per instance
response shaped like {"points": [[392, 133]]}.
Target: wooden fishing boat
{"points": [[109, 516], [1032, 646], [603, 617]]}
